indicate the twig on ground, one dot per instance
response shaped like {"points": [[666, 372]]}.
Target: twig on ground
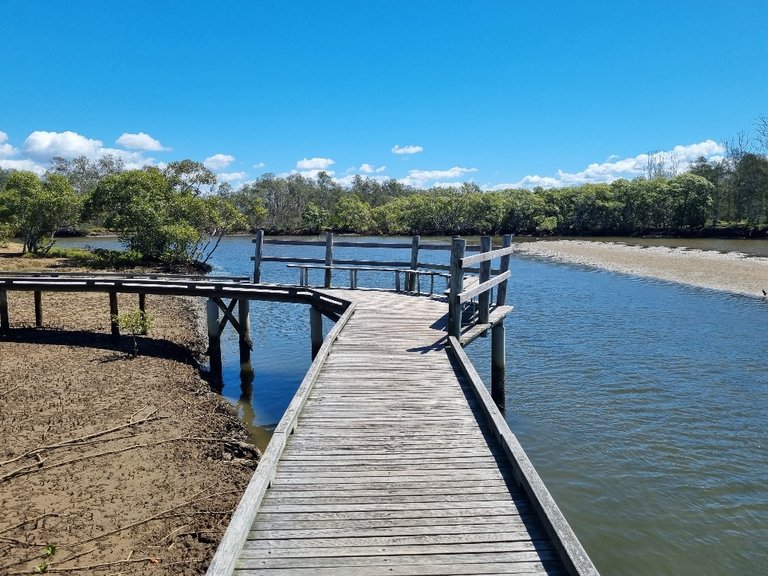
{"points": [[151, 559], [35, 519], [38, 467], [81, 440], [6, 392], [159, 516]]}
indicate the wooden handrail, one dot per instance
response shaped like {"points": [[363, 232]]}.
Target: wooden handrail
{"points": [[485, 256], [567, 545], [223, 563], [484, 287]]}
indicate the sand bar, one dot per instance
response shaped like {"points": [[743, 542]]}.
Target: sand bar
{"points": [[731, 272]]}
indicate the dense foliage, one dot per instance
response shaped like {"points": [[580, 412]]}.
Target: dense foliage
{"points": [[180, 213]]}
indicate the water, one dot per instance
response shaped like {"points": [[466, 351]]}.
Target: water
{"points": [[643, 404]]}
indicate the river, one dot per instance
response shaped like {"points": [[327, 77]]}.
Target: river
{"points": [[643, 404]]}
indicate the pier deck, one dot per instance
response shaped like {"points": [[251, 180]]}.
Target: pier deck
{"points": [[390, 465]]}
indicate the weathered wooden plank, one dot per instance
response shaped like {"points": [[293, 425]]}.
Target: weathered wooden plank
{"points": [[411, 566], [391, 550], [486, 256], [506, 536], [447, 522], [467, 295], [508, 524]]}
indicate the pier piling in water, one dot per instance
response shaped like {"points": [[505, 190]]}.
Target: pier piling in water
{"points": [[214, 338], [316, 330]]}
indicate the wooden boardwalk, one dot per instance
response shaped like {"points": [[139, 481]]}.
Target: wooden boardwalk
{"points": [[390, 465]]}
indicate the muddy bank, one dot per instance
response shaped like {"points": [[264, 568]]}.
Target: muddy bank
{"points": [[731, 272], [110, 464]]}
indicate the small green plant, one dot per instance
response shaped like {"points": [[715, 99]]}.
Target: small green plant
{"points": [[48, 552], [136, 322]]}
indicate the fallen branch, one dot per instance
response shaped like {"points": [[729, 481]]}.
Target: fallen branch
{"points": [[83, 440], [39, 467], [159, 516], [35, 519], [151, 559]]}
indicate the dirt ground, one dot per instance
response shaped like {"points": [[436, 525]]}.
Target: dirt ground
{"points": [[111, 464]]}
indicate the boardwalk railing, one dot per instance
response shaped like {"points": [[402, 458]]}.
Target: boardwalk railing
{"points": [[412, 269], [567, 545], [231, 544], [217, 290], [484, 316]]}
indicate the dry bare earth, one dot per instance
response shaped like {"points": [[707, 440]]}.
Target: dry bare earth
{"points": [[127, 466]]}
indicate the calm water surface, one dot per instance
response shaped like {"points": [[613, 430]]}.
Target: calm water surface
{"points": [[643, 404]]}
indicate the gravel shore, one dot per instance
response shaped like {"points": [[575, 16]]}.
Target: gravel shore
{"points": [[730, 272]]}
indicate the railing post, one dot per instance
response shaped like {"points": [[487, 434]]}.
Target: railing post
{"points": [[498, 365], [328, 258], [484, 299], [501, 293], [316, 330], [143, 310], [259, 241], [5, 324], [458, 246], [413, 279], [113, 314], [38, 309]]}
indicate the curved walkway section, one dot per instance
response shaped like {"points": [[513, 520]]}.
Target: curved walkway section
{"points": [[387, 463]]}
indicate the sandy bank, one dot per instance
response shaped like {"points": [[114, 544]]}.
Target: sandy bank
{"points": [[118, 462], [731, 272]]}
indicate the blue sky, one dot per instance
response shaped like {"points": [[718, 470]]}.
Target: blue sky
{"points": [[495, 92]]}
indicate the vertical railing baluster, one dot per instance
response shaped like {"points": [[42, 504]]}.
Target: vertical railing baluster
{"points": [[458, 246]]}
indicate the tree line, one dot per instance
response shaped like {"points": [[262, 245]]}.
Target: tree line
{"points": [[181, 212]]}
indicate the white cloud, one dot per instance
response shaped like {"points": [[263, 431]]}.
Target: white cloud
{"points": [[606, 172], [370, 169], [140, 141], [410, 149], [30, 165], [231, 176], [314, 163], [419, 178], [42, 145], [6, 149], [260, 165], [218, 161]]}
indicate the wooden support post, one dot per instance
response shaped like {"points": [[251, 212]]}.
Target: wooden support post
{"points": [[397, 281], [498, 365], [113, 314], [143, 310], [484, 299], [214, 340], [413, 279], [259, 242], [316, 330], [501, 293], [458, 246], [244, 340], [328, 258], [5, 324], [38, 309]]}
